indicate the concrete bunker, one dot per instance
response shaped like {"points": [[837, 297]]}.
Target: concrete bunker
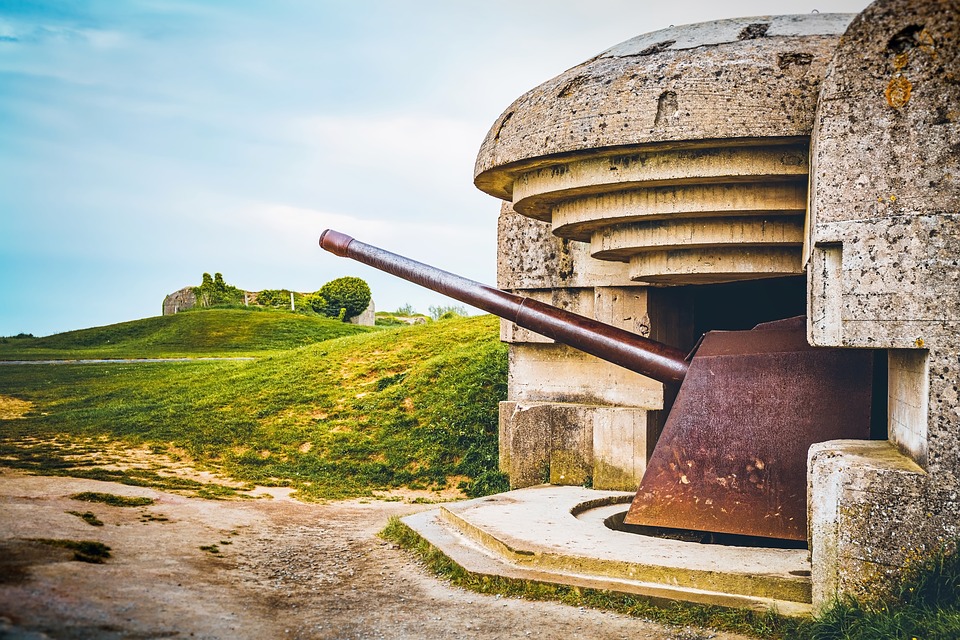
{"points": [[660, 187], [717, 176], [663, 185]]}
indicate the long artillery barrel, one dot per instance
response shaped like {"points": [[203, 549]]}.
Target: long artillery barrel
{"points": [[642, 355]]}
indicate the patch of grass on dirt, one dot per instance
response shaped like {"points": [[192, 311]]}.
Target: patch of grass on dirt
{"points": [[146, 478], [154, 517], [113, 500], [81, 457], [83, 550], [409, 407], [89, 517], [211, 549], [763, 625]]}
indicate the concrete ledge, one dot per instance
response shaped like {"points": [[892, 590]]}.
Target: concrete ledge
{"points": [[557, 535]]}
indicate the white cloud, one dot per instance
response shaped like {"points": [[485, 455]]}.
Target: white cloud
{"points": [[397, 136], [279, 223]]}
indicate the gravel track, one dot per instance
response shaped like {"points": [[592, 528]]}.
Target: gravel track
{"points": [[280, 569]]}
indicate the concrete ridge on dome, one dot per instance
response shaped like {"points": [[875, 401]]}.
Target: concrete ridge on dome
{"points": [[702, 34]]}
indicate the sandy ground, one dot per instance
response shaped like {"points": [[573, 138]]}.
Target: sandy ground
{"points": [[285, 569]]}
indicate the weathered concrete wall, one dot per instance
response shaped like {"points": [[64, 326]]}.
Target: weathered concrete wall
{"points": [[873, 512], [575, 444], [530, 257], [729, 79], [366, 319], [679, 157], [179, 300], [572, 418], [883, 273]]}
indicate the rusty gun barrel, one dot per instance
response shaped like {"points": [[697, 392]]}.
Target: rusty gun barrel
{"points": [[642, 355]]}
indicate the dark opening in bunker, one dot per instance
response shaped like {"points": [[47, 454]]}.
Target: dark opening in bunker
{"points": [[616, 523], [740, 306]]}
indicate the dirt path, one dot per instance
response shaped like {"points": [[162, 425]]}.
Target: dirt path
{"points": [[283, 569]]}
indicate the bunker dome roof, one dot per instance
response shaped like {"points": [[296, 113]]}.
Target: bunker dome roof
{"points": [[725, 82]]}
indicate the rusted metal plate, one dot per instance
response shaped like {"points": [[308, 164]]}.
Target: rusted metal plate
{"points": [[733, 454]]}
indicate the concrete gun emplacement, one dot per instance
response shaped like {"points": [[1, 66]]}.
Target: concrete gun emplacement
{"points": [[733, 452]]}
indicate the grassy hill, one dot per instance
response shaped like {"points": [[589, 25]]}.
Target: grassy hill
{"points": [[407, 407], [412, 407], [231, 332]]}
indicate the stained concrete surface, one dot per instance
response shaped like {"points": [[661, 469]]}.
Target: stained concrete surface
{"points": [[558, 534]]}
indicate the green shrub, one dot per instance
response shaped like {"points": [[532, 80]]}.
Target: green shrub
{"points": [[388, 321], [214, 292], [447, 312], [275, 298], [352, 295], [316, 303]]}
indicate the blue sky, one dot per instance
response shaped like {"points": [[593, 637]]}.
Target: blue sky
{"points": [[144, 142]]}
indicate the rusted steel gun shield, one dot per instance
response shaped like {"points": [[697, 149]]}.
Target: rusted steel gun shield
{"points": [[732, 457]]}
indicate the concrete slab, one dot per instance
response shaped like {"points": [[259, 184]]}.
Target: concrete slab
{"points": [[558, 535]]}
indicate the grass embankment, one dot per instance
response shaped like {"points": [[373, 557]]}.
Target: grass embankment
{"points": [[215, 332], [412, 407]]}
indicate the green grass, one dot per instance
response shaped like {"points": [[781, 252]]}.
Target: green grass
{"points": [[926, 606], [213, 332], [113, 500], [411, 407], [342, 417], [89, 517]]}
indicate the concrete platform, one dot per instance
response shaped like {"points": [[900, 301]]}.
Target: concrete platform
{"points": [[557, 534]]}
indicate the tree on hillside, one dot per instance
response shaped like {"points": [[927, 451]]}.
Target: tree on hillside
{"points": [[343, 298], [275, 298], [214, 290]]}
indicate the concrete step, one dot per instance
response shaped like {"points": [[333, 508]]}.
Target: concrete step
{"points": [[557, 535]]}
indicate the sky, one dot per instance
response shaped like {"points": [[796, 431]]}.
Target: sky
{"points": [[145, 142]]}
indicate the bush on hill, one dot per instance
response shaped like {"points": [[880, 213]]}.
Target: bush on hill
{"points": [[344, 297], [447, 312], [214, 291], [279, 299]]}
